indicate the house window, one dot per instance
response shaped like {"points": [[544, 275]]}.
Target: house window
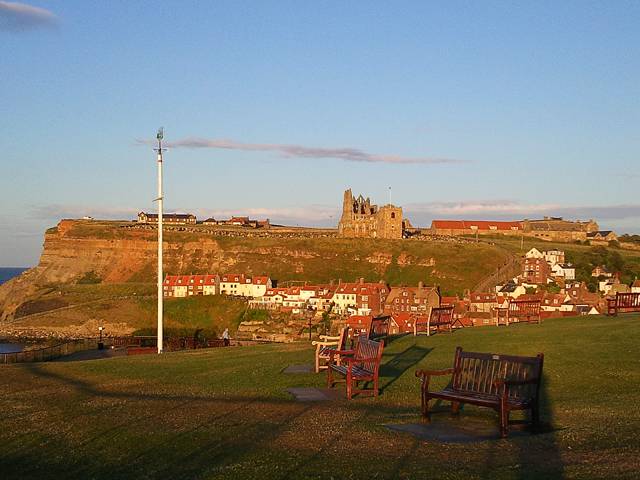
{"points": [[393, 214]]}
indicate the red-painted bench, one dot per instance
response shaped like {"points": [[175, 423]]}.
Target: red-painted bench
{"points": [[359, 365], [519, 311], [623, 303], [501, 382], [439, 317]]}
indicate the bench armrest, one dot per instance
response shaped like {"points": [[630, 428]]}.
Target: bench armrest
{"points": [[425, 376], [361, 359], [341, 353], [433, 373], [328, 338], [324, 344], [344, 352]]}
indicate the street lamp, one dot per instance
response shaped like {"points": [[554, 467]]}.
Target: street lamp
{"points": [[100, 344]]}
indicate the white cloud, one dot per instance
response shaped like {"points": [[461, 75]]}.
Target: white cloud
{"points": [[16, 17], [298, 151]]}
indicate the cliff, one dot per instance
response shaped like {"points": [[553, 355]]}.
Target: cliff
{"points": [[105, 253]]}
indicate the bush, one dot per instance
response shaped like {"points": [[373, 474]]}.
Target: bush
{"points": [[89, 278]]}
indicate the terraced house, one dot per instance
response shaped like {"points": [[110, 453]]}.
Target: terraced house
{"points": [[412, 299]]}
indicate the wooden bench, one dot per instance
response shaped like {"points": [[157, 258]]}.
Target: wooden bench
{"points": [[359, 365], [519, 311], [379, 327], [439, 317], [623, 303], [501, 382], [326, 345]]}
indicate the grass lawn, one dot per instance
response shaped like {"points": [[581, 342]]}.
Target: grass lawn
{"points": [[224, 413]]}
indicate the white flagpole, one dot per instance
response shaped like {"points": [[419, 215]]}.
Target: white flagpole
{"points": [[160, 214]]}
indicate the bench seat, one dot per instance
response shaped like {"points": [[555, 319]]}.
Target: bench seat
{"points": [[361, 364], [356, 371], [490, 400]]}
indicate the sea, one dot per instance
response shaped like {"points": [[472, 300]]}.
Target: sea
{"points": [[7, 273]]}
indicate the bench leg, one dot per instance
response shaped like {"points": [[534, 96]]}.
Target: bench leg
{"points": [[504, 419], [375, 387], [349, 386], [455, 408], [329, 377], [426, 415]]}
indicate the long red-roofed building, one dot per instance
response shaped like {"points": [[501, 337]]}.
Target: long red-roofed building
{"points": [[472, 227]]}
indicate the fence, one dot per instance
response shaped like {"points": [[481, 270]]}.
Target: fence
{"points": [[67, 348], [50, 353]]}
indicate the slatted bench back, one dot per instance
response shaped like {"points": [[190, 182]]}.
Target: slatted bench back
{"points": [[524, 309], [369, 349], [379, 327], [478, 372], [441, 316], [628, 300], [344, 337]]}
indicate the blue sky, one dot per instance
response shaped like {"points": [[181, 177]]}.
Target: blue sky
{"points": [[507, 109]]}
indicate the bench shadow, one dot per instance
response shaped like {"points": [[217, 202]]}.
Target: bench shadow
{"points": [[542, 443], [400, 363]]}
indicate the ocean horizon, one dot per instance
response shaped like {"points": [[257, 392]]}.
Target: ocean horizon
{"points": [[7, 273]]}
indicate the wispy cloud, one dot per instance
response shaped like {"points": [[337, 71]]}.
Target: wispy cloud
{"points": [[299, 151], [17, 17]]}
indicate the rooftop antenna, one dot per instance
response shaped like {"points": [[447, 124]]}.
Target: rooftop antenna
{"points": [[159, 150]]}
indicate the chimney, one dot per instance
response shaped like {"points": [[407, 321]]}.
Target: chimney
{"points": [[361, 281], [420, 284], [339, 281]]}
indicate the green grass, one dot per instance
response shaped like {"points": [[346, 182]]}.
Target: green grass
{"points": [[452, 266], [225, 413]]}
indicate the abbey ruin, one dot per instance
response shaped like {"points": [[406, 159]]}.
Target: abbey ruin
{"points": [[361, 219]]}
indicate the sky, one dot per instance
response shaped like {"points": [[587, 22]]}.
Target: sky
{"points": [[478, 110]]}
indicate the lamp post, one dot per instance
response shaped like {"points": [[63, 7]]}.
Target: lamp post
{"points": [[159, 137], [100, 344]]}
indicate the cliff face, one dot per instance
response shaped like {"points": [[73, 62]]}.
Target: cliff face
{"points": [[111, 252]]}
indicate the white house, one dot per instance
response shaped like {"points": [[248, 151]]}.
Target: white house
{"points": [[230, 284], [534, 253], [564, 270], [554, 256], [512, 290]]}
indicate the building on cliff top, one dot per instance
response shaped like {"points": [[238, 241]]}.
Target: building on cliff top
{"points": [[361, 219], [169, 218], [548, 228]]}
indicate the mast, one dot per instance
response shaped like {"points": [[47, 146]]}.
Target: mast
{"points": [[160, 136]]}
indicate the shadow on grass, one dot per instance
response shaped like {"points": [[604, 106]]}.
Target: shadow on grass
{"points": [[401, 362], [535, 457], [153, 436]]}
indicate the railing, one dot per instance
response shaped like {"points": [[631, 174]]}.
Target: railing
{"points": [[50, 353], [67, 348]]}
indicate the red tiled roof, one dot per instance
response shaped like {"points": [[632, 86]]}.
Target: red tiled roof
{"points": [[480, 224], [360, 321]]}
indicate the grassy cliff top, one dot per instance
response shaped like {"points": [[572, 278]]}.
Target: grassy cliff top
{"points": [[225, 413]]}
